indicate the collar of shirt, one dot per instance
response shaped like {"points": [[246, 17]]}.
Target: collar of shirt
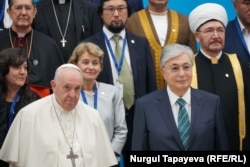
{"points": [[175, 107], [173, 97], [110, 34], [209, 57], [242, 28]]}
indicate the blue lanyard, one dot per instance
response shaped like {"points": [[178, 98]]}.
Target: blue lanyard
{"points": [[118, 67], [95, 96], [240, 33], [12, 110]]}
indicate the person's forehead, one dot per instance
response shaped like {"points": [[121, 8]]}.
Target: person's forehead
{"points": [[181, 58], [243, 0], [115, 2], [66, 71], [212, 23], [22, 2]]}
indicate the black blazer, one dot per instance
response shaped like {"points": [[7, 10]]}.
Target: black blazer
{"points": [[85, 14]]}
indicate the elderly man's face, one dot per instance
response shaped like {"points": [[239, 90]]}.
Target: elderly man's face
{"points": [[67, 88], [211, 36], [177, 73], [22, 12]]}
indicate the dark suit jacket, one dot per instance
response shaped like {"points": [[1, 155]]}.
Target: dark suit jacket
{"points": [[85, 14], [155, 128], [234, 43], [86, 22], [141, 63]]}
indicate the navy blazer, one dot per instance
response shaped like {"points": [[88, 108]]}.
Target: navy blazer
{"points": [[141, 63], [155, 127], [234, 42]]}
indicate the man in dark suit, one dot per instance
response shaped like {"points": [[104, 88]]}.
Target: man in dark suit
{"points": [[135, 56], [237, 32], [67, 21], [158, 122]]}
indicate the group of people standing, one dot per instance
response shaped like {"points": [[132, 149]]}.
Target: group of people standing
{"points": [[148, 86]]}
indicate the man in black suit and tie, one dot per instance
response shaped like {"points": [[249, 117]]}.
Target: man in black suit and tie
{"points": [[127, 62], [178, 117]]}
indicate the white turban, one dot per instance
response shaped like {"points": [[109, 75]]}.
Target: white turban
{"points": [[206, 12]]}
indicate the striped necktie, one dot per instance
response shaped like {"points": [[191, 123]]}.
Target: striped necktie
{"points": [[183, 123]]}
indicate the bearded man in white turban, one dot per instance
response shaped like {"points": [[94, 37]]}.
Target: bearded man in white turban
{"points": [[220, 73]]}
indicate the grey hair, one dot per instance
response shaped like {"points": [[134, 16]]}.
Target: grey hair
{"points": [[173, 50]]}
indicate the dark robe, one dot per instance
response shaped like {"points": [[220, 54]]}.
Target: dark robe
{"points": [[219, 79], [83, 22], [44, 52]]}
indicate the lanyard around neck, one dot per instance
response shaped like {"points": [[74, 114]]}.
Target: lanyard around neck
{"points": [[12, 110], [117, 66], [84, 98]]}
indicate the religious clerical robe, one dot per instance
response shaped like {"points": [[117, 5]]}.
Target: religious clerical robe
{"points": [[44, 58], [36, 139], [220, 79]]}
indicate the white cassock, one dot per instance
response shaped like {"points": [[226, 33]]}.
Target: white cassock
{"points": [[36, 138]]}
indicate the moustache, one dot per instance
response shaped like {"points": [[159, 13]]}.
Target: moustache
{"points": [[215, 41]]}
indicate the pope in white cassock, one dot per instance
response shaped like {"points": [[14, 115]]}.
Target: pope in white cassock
{"points": [[59, 130]]}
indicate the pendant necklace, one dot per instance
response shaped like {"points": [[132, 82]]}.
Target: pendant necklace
{"points": [[35, 61], [63, 41], [71, 154]]}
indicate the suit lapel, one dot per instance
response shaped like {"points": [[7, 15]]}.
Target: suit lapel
{"points": [[196, 107], [132, 43], [99, 40], [239, 34], [165, 109]]}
